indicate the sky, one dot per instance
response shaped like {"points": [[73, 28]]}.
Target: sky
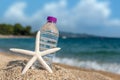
{"points": [[97, 17]]}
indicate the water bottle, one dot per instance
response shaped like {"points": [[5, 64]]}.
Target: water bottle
{"points": [[49, 38]]}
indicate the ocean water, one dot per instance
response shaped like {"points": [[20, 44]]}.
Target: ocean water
{"points": [[93, 53]]}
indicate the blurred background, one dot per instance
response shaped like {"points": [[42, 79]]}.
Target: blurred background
{"points": [[89, 29], [98, 17]]}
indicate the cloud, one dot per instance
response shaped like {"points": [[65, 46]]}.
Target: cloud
{"points": [[113, 22], [16, 12], [81, 17]]}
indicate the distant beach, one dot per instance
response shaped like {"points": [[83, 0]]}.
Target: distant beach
{"points": [[13, 36]]}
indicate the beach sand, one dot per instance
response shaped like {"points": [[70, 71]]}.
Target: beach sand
{"points": [[14, 36], [11, 66]]}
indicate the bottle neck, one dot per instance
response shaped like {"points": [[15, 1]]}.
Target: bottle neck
{"points": [[51, 22]]}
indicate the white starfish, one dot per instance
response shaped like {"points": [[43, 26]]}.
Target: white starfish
{"points": [[36, 55]]}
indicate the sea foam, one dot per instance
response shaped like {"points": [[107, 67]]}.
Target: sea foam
{"points": [[104, 66]]}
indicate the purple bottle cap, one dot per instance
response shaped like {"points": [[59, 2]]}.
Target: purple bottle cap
{"points": [[51, 19]]}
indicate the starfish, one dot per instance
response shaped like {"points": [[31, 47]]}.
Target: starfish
{"points": [[37, 54]]}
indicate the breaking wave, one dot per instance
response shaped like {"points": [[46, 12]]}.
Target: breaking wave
{"points": [[104, 66]]}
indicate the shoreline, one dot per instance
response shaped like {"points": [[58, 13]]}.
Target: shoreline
{"points": [[110, 74], [6, 58], [14, 36]]}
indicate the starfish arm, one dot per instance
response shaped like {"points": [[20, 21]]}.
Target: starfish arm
{"points": [[44, 64], [22, 51], [49, 51], [29, 64], [37, 41]]}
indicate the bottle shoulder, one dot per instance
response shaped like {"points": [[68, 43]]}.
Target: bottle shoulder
{"points": [[50, 27]]}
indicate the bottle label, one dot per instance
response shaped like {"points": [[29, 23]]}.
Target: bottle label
{"points": [[48, 40]]}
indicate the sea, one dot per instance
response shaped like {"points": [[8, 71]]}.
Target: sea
{"points": [[91, 53]]}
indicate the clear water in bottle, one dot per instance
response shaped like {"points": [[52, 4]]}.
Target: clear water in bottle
{"points": [[49, 37]]}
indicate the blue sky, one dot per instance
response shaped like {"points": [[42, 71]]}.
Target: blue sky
{"points": [[98, 17]]}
